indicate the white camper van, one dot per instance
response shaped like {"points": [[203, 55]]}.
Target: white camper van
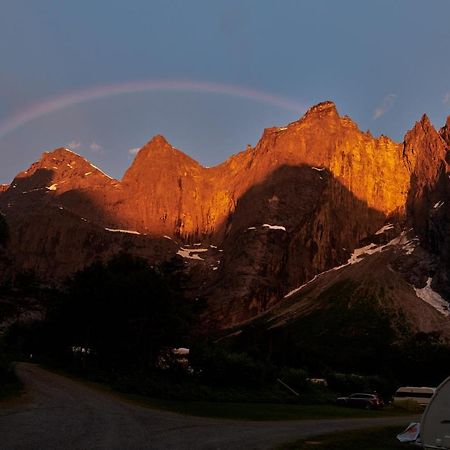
{"points": [[435, 423], [421, 395]]}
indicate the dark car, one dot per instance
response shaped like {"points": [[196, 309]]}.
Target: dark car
{"points": [[367, 401]]}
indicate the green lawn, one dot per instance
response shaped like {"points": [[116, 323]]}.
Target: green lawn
{"points": [[261, 411], [368, 439]]}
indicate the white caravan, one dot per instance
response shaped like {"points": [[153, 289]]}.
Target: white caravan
{"points": [[421, 395], [435, 423]]}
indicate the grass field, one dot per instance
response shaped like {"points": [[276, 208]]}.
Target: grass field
{"points": [[245, 411], [261, 411], [368, 439]]}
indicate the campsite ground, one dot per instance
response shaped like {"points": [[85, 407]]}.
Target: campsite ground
{"points": [[63, 413]]}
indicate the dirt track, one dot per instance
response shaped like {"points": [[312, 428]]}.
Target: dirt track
{"points": [[65, 414]]}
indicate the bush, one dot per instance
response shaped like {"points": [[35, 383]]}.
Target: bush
{"points": [[4, 232], [219, 367], [295, 378], [9, 383], [344, 383]]}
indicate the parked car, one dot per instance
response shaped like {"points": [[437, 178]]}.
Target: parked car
{"points": [[361, 400]]}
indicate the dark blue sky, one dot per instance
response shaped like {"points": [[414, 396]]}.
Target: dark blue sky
{"points": [[384, 63]]}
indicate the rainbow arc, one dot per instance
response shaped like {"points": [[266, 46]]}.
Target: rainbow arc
{"points": [[69, 99]]}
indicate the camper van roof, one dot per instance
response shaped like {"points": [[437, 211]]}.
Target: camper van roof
{"points": [[416, 387]]}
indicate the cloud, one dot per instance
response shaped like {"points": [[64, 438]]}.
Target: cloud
{"points": [[133, 151], [446, 99], [386, 105], [73, 144], [96, 148]]}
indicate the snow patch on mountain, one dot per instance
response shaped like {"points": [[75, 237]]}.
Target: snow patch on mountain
{"points": [[428, 295], [358, 255], [189, 253], [113, 230], [411, 245], [274, 227], [388, 226], [101, 171], [33, 190]]}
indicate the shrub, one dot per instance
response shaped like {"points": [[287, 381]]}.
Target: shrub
{"points": [[295, 378], [4, 232], [345, 383], [219, 367]]}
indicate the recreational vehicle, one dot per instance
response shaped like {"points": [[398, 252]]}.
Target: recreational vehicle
{"points": [[421, 395]]}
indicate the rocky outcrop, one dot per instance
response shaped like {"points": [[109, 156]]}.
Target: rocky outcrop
{"points": [[445, 134], [169, 193], [371, 168], [426, 155]]}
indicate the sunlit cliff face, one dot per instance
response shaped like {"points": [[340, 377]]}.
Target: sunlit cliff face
{"points": [[171, 193], [372, 169]]}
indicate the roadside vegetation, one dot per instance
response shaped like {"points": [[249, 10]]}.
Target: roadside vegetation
{"points": [[261, 411], [117, 322], [351, 334], [4, 232], [9, 383], [367, 439]]}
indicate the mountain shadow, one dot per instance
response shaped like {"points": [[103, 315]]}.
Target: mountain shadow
{"points": [[297, 223]]}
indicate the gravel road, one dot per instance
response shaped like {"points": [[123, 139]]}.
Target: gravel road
{"points": [[64, 414]]}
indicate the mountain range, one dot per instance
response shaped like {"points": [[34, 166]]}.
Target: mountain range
{"points": [[270, 236]]}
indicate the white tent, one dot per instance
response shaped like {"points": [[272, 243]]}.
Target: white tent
{"points": [[435, 423]]}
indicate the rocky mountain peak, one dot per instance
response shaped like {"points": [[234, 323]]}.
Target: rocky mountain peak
{"points": [[323, 108], [424, 152], [425, 122], [158, 146], [157, 157], [424, 148], [65, 160], [59, 171], [320, 114], [158, 143], [445, 133]]}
